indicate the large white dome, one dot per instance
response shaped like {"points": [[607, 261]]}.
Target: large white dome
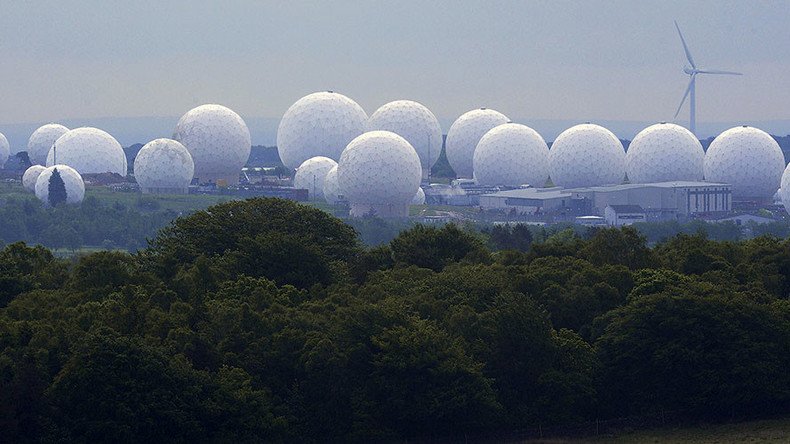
{"points": [[465, 133], [415, 123], [75, 187], [586, 155], [319, 124], [89, 151], [5, 150], [511, 154], [748, 159], [419, 198], [41, 141], [332, 187], [311, 175], [218, 140], [31, 176], [379, 172], [664, 152], [164, 166]]}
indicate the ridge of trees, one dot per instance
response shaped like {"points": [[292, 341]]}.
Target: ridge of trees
{"points": [[266, 320]]}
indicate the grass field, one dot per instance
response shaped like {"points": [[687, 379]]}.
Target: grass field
{"points": [[769, 430]]}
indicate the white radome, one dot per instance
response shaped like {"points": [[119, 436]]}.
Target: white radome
{"points": [[5, 150], [164, 166], [89, 151], [665, 152], [748, 159], [75, 187], [586, 155], [311, 175], [415, 123], [218, 141], [379, 173], [41, 141], [31, 176], [419, 198], [332, 193], [465, 133], [512, 154], [319, 124]]}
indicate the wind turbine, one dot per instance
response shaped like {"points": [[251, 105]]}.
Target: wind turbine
{"points": [[692, 71]]}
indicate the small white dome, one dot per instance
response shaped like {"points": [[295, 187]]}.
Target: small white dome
{"points": [[419, 198], [319, 124], [31, 176], [218, 141], [75, 187], [331, 187], [512, 154], [164, 166], [379, 172], [465, 133], [586, 155], [664, 152], [311, 175], [41, 141], [747, 158], [89, 151]]}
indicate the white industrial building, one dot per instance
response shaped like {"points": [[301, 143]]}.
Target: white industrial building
{"points": [[662, 200], [619, 215]]}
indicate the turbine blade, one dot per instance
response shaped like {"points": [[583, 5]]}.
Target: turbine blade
{"points": [[716, 71], [683, 100], [685, 47]]}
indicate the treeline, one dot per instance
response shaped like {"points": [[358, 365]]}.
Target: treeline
{"points": [[265, 320], [92, 223]]}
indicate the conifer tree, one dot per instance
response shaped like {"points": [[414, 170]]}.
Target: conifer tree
{"points": [[57, 189]]}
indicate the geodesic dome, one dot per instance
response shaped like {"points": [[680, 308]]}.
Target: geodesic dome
{"points": [[319, 124], [5, 150], [89, 151], [465, 133], [419, 198], [311, 175], [415, 123], [748, 159], [41, 141], [511, 154], [31, 176], [75, 187], [218, 141], [586, 155], [332, 187], [379, 172], [665, 152], [164, 166]]}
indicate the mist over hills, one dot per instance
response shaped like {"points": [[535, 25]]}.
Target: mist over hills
{"points": [[132, 130]]}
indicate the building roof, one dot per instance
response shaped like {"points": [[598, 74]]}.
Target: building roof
{"points": [[533, 193], [559, 192], [627, 208]]}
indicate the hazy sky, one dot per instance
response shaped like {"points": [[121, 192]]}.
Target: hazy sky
{"points": [[585, 60]]}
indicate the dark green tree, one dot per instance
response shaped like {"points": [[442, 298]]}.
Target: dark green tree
{"points": [[434, 248], [56, 189]]}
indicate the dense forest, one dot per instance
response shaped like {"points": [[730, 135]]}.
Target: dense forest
{"points": [[93, 222], [266, 320]]}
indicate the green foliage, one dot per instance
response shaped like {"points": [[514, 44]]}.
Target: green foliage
{"points": [[434, 248], [56, 189], [266, 321]]}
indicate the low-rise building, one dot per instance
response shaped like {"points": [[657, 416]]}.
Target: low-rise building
{"points": [[619, 215], [659, 201]]}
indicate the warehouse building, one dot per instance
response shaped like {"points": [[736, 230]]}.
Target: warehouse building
{"points": [[660, 201]]}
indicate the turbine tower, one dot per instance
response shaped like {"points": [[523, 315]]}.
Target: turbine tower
{"points": [[692, 71]]}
